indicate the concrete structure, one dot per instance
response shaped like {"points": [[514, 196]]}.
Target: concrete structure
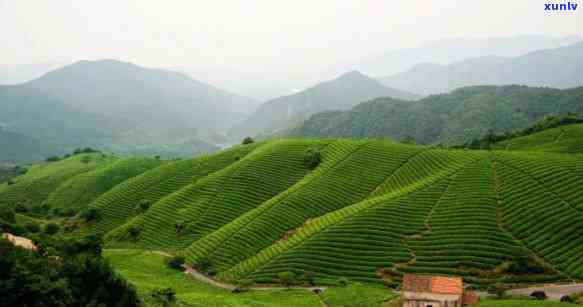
{"points": [[435, 291]]}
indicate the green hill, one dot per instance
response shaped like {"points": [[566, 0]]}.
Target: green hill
{"points": [[557, 68], [81, 190], [29, 191], [370, 211], [366, 210], [453, 118], [565, 139], [341, 93]]}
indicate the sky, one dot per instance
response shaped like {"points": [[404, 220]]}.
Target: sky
{"points": [[256, 36]]}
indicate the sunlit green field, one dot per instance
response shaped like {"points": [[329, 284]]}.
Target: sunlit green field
{"points": [[147, 271]]}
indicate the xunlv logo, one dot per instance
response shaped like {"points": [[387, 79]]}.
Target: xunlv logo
{"points": [[561, 6]]}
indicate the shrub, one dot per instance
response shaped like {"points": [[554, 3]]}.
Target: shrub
{"points": [[243, 285], [498, 289], [143, 205], [17, 230], [176, 263], [568, 299], [52, 159], [134, 231], [86, 159], [287, 278], [165, 296], [312, 158], [91, 214], [309, 278], [343, 282], [248, 140], [11, 182], [204, 265], [32, 227], [539, 295], [7, 215], [52, 228]]}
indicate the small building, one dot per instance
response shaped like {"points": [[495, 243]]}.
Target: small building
{"points": [[435, 291]]}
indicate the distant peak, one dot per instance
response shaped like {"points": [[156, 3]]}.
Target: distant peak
{"points": [[353, 75]]}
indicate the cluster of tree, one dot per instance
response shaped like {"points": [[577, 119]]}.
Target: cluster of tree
{"points": [[77, 151], [548, 122], [61, 273], [8, 173], [452, 118]]}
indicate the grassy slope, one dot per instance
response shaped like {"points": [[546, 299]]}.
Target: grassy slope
{"points": [[41, 180], [147, 271], [565, 139], [81, 190], [118, 204], [372, 210]]}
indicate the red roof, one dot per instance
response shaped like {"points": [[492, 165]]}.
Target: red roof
{"points": [[433, 284]]}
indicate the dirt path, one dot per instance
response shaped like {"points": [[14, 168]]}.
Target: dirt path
{"points": [[554, 292], [219, 284]]}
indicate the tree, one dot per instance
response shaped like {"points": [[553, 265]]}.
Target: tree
{"points": [[539, 295], [287, 278], [243, 285], [165, 296], [51, 228], [498, 289], [248, 140], [91, 214], [32, 227], [7, 215], [176, 263], [52, 159], [312, 158]]}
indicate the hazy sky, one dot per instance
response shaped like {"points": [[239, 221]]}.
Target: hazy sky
{"points": [[256, 35]]}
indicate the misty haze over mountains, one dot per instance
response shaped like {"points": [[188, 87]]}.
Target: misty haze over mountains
{"points": [[129, 109], [266, 84]]}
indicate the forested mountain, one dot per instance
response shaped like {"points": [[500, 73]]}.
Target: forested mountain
{"points": [[121, 107], [16, 148], [557, 68], [341, 93], [459, 116]]}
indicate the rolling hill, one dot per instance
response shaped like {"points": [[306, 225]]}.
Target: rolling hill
{"points": [[558, 68], [369, 210], [121, 107], [564, 139], [453, 118], [341, 93]]}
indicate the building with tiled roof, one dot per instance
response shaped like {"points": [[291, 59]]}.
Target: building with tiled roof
{"points": [[434, 291]]}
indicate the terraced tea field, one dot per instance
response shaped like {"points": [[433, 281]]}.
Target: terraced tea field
{"points": [[368, 211], [565, 139]]}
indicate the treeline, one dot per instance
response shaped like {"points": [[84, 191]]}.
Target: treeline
{"points": [[61, 273], [77, 151], [549, 122]]}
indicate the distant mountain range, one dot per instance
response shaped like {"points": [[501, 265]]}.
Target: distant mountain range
{"points": [[454, 118], [120, 107], [447, 51], [341, 93], [557, 68]]}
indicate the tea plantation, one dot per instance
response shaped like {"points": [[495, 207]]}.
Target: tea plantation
{"points": [[363, 210]]}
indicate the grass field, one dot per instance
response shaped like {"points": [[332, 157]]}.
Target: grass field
{"points": [[147, 271]]}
